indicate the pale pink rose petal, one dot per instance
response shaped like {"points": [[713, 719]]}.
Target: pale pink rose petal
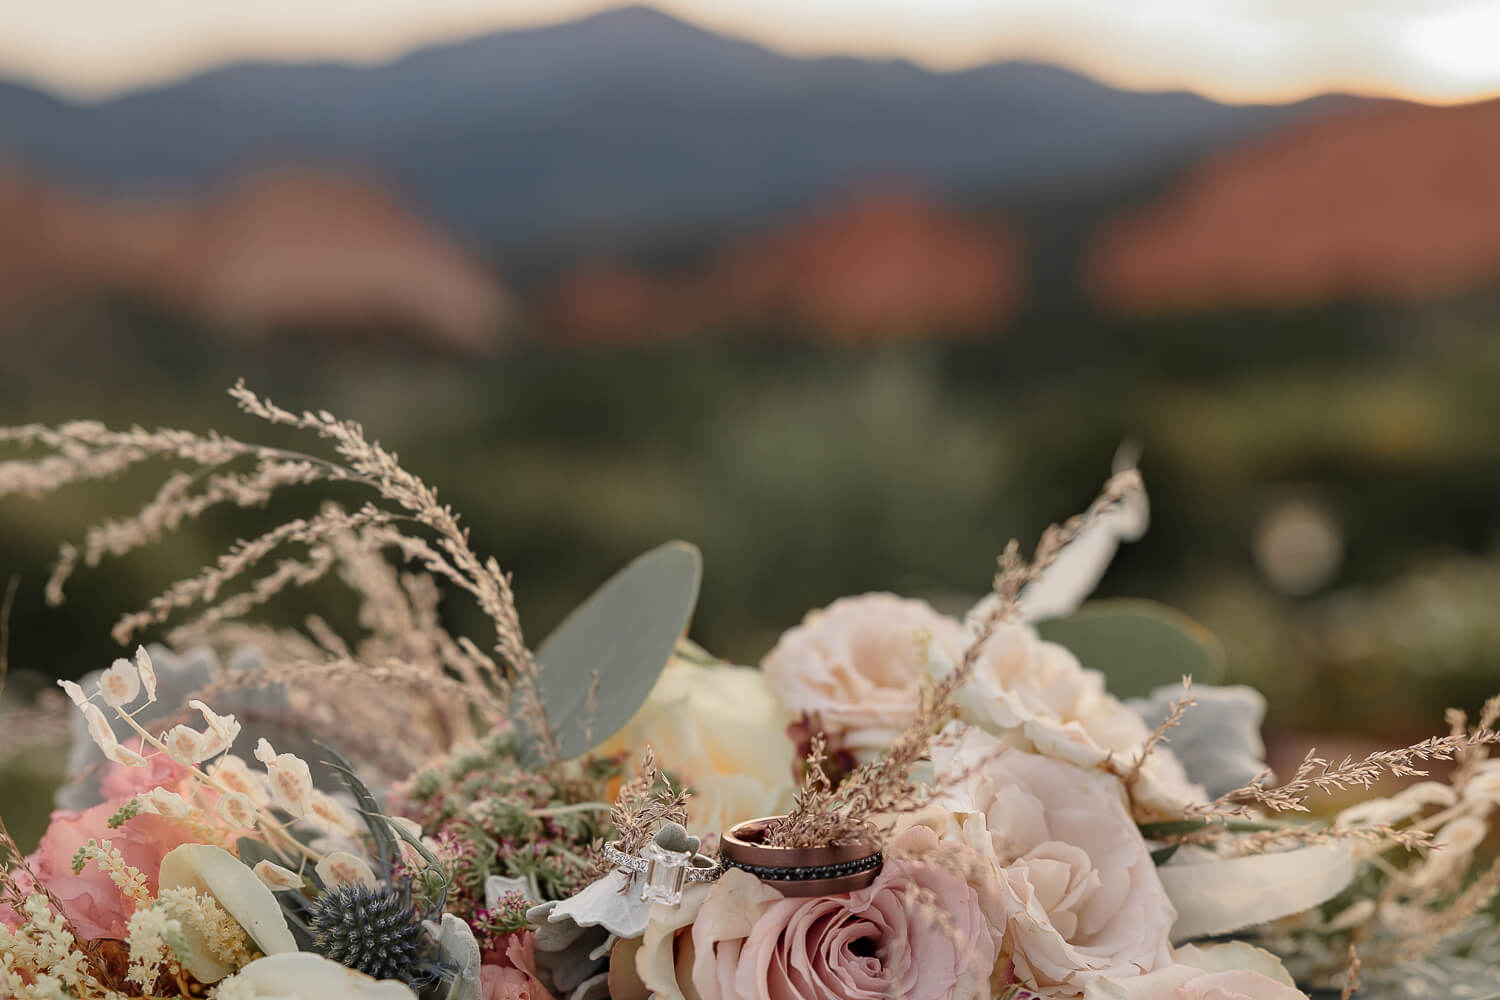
{"points": [[860, 663]]}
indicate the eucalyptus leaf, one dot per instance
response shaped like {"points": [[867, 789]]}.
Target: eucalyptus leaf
{"points": [[623, 636], [1138, 645]]}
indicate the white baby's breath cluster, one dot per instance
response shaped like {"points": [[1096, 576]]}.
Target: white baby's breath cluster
{"points": [[40, 960], [157, 945], [221, 934]]}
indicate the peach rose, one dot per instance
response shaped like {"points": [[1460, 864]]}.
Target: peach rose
{"points": [[90, 899], [1080, 892], [859, 664], [919, 932]]}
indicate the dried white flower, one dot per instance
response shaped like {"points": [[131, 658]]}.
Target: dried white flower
{"points": [[99, 730], [74, 693], [341, 868], [120, 684], [289, 777], [184, 745], [333, 814], [277, 878], [235, 774], [236, 809], [166, 803], [144, 667], [124, 755], [223, 730]]}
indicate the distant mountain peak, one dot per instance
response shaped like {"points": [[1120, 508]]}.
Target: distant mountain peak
{"points": [[636, 13], [625, 126]]}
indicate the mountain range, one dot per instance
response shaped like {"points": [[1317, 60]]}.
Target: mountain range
{"points": [[621, 128]]}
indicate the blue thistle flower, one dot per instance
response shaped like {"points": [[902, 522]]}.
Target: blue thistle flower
{"points": [[376, 931]]}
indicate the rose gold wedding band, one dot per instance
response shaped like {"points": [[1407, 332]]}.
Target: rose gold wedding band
{"points": [[799, 871]]}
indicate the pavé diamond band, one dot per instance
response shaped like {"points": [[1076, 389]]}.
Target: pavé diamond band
{"points": [[636, 864]]}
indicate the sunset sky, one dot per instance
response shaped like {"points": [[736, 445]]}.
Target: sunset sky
{"points": [[1237, 50]]}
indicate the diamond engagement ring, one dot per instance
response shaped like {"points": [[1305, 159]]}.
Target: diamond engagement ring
{"points": [[666, 871]]}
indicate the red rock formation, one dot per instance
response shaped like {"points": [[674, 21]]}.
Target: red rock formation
{"points": [[890, 264], [609, 302], [303, 249], [887, 265], [1391, 202]]}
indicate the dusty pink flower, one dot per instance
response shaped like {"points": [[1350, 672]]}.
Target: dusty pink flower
{"points": [[860, 663], [510, 973], [919, 932], [497, 982], [90, 899]]}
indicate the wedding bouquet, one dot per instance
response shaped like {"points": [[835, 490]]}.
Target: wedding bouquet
{"points": [[895, 803]]}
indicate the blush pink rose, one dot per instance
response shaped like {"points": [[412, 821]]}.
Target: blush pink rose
{"points": [[859, 664], [919, 932], [90, 899], [1081, 895]]}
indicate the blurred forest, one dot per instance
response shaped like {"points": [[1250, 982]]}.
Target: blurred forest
{"points": [[806, 472]]}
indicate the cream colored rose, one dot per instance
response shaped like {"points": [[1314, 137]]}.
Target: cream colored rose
{"points": [[860, 663], [1231, 971], [1079, 889], [719, 730], [1037, 695]]}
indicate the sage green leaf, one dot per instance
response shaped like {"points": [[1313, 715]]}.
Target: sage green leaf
{"points": [[1138, 645], [623, 635]]}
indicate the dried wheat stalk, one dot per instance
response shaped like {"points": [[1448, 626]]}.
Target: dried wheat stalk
{"points": [[223, 471]]}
